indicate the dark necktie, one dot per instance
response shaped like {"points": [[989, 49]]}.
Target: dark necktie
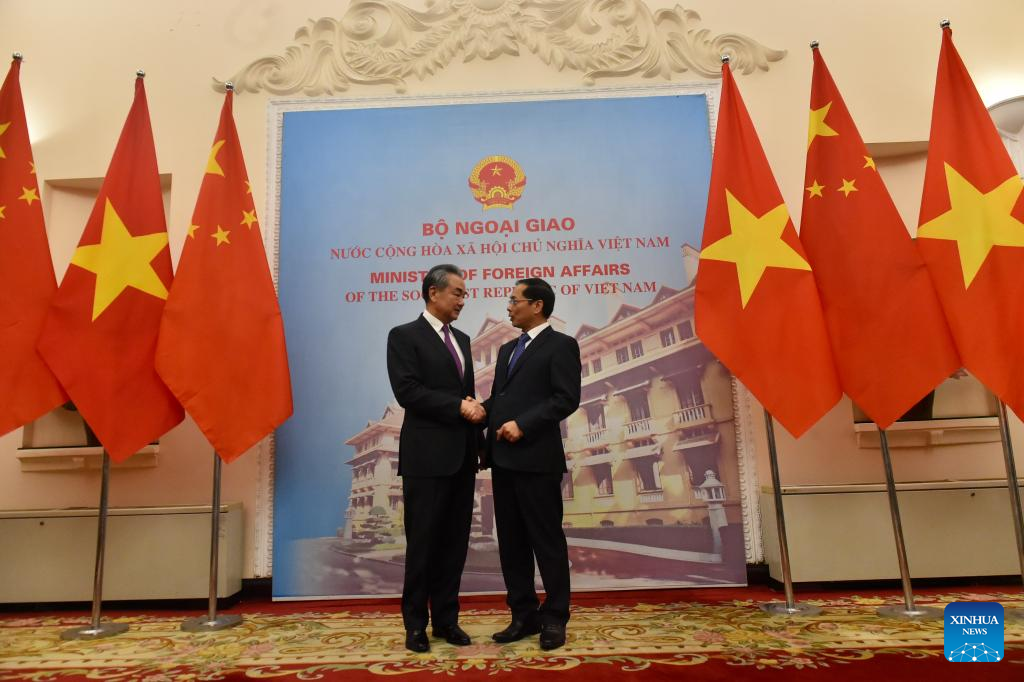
{"points": [[518, 350], [451, 349]]}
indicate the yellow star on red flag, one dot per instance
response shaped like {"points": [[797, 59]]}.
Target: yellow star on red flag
{"points": [[121, 260], [221, 235], [977, 220], [211, 163], [754, 245], [817, 126], [29, 194]]}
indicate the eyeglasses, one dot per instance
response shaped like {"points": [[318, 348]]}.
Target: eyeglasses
{"points": [[512, 300]]}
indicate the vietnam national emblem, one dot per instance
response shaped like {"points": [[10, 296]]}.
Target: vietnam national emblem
{"points": [[497, 182]]}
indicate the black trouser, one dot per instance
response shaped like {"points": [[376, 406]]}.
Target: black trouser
{"points": [[438, 513], [528, 513]]}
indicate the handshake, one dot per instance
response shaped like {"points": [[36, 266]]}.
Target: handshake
{"points": [[472, 411]]}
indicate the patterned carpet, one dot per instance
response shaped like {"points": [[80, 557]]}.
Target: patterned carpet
{"points": [[669, 639]]}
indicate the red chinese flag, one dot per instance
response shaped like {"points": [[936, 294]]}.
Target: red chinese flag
{"points": [[100, 334], [971, 231], [27, 386], [890, 338], [222, 349], [757, 306]]}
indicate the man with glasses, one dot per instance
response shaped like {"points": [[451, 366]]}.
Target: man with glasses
{"points": [[431, 371], [536, 386]]}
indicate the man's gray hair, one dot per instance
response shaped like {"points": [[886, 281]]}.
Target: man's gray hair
{"points": [[437, 277]]}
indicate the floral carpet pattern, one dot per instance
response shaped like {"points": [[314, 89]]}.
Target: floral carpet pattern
{"points": [[627, 638]]}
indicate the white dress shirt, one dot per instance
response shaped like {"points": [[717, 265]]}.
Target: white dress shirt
{"points": [[532, 334], [438, 326]]}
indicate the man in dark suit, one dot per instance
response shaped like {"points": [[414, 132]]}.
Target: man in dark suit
{"points": [[431, 371], [536, 386]]}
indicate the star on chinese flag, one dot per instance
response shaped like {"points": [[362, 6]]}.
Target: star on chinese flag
{"points": [[27, 283], [757, 307], [971, 231], [222, 348], [889, 336], [100, 334]]}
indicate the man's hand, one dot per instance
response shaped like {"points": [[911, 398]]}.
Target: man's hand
{"points": [[509, 431], [472, 411]]}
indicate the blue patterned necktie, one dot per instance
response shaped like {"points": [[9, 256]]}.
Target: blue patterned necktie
{"points": [[518, 350], [451, 349]]}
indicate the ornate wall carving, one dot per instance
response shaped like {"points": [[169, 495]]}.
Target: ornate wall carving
{"points": [[381, 42]]}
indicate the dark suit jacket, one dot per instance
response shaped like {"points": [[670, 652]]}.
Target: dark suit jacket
{"points": [[542, 390], [435, 439]]}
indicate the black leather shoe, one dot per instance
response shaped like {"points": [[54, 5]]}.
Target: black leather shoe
{"points": [[552, 636], [453, 634], [516, 631], [416, 640]]}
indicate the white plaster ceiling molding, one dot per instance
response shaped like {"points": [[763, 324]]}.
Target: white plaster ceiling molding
{"points": [[380, 42]]}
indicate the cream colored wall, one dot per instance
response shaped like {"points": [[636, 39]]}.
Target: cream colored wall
{"points": [[77, 81]]}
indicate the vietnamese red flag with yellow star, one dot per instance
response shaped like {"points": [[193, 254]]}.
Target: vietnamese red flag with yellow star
{"points": [[757, 307], [100, 335], [971, 231], [889, 336], [222, 347], [27, 282]]}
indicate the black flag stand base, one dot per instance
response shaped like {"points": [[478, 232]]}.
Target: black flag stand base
{"points": [[789, 607], [909, 610], [1013, 488], [97, 629], [212, 621]]}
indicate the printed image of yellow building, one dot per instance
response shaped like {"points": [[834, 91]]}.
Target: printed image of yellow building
{"points": [[656, 416], [376, 484]]}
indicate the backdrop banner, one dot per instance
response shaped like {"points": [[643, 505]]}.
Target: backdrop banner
{"points": [[603, 195]]}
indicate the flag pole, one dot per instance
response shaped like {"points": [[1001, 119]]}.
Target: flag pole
{"points": [[910, 610], [97, 629], [790, 607], [212, 621], [1012, 487]]}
